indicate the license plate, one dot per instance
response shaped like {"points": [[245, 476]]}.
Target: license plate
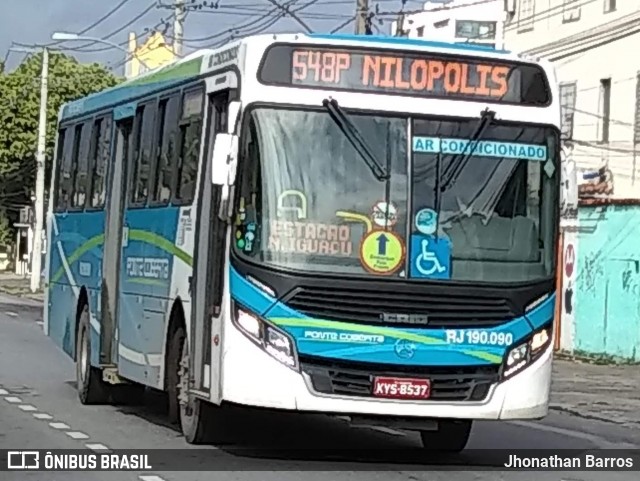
{"points": [[401, 388]]}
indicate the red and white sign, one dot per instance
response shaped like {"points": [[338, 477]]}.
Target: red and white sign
{"points": [[401, 388], [384, 215], [569, 260]]}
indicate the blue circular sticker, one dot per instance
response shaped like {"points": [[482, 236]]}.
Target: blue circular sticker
{"points": [[426, 220]]}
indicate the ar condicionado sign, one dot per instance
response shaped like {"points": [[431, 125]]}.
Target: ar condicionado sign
{"points": [[402, 73], [418, 74]]}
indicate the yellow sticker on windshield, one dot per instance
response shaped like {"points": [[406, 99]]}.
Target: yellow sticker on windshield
{"points": [[382, 252]]}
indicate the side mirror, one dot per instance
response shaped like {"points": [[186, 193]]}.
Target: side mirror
{"points": [[224, 159]]}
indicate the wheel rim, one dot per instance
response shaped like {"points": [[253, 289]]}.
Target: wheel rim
{"points": [[84, 356]]}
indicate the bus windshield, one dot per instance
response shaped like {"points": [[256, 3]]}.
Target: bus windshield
{"points": [[309, 202]]}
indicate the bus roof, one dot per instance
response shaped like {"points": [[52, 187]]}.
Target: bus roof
{"points": [[190, 67]]}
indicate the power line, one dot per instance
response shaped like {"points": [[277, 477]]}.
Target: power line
{"points": [[87, 28], [84, 49]]}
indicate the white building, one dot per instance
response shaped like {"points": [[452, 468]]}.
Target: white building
{"points": [[458, 21], [594, 46]]}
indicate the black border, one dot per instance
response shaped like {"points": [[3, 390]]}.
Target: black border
{"points": [[404, 51]]}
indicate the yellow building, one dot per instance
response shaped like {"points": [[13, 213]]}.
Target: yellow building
{"points": [[150, 55]]}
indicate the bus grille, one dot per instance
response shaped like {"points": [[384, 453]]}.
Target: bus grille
{"points": [[450, 383], [432, 310]]}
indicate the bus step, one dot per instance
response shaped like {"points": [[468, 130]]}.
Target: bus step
{"points": [[110, 375]]}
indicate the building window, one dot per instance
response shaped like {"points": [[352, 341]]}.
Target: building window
{"points": [[525, 15], [609, 6], [567, 109], [420, 31], [441, 23], [570, 11], [605, 109], [473, 30]]}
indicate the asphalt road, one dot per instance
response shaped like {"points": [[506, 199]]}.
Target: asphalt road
{"points": [[39, 410]]}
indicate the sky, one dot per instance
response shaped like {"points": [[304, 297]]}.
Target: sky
{"points": [[32, 22]]}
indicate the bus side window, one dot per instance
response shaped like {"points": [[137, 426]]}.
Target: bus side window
{"points": [[81, 163], [143, 148], [190, 141], [65, 181], [167, 129], [58, 206], [100, 156]]}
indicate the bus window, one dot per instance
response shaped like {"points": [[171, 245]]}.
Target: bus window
{"points": [[81, 163], [190, 134], [59, 161], [100, 154], [168, 116], [67, 169], [143, 147]]}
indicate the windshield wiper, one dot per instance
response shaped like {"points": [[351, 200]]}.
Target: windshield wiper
{"points": [[457, 163], [354, 136], [448, 178]]}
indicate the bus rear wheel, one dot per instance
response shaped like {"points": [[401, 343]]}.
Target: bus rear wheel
{"points": [[91, 388], [452, 436], [199, 421]]}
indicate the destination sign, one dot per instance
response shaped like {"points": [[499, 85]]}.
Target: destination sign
{"points": [[417, 74]]}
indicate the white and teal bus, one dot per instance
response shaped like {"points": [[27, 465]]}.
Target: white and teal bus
{"points": [[352, 225]]}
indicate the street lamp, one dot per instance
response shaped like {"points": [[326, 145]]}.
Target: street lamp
{"points": [[67, 36]]}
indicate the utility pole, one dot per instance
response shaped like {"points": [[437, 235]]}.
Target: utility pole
{"points": [[362, 10], [178, 27], [36, 255]]}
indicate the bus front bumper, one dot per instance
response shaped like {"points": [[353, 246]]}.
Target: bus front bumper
{"points": [[251, 377]]}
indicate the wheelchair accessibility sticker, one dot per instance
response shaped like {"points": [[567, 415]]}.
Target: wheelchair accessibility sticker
{"points": [[430, 257]]}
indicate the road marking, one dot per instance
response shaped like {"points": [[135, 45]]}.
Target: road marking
{"points": [[59, 426], [3, 392], [77, 435], [42, 416], [11, 313], [97, 447], [28, 407], [152, 477], [13, 399], [40, 323]]}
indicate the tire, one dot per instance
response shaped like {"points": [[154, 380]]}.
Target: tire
{"points": [[91, 388], [199, 421], [452, 436]]}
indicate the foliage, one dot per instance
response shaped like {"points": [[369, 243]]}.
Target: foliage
{"points": [[19, 115], [5, 230]]}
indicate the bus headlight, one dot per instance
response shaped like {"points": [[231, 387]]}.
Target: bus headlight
{"points": [[527, 352], [269, 338]]}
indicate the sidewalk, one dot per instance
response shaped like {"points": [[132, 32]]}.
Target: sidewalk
{"points": [[603, 392], [15, 285]]}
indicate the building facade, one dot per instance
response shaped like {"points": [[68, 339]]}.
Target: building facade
{"points": [[458, 21], [589, 42], [151, 54]]}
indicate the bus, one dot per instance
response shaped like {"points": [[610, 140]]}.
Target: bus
{"points": [[360, 226]]}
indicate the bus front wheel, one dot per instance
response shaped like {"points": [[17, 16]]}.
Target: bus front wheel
{"points": [[451, 436], [91, 388], [200, 422]]}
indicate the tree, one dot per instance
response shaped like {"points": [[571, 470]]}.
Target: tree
{"points": [[19, 111]]}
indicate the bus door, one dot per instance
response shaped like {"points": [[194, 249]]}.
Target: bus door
{"points": [[144, 266], [113, 242], [209, 263]]}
